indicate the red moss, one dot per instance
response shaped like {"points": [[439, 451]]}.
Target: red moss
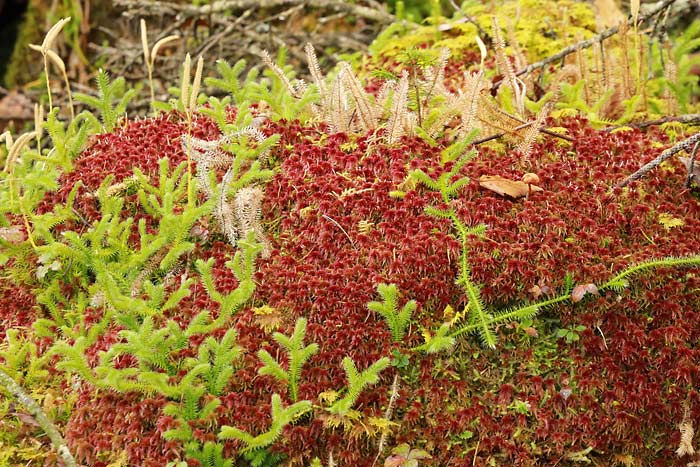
{"points": [[618, 389]]}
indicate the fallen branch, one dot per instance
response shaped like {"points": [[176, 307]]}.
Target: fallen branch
{"points": [[592, 41], [688, 118], [684, 145], [524, 125], [692, 168], [158, 8], [35, 411]]}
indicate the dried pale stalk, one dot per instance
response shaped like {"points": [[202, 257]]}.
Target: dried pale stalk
{"points": [[315, 70], [38, 125], [196, 84], [337, 111], [363, 106], [185, 84], [506, 68], [482, 50], [279, 73], [50, 55], [531, 133], [14, 148], [149, 56], [473, 85], [396, 124], [685, 445]]}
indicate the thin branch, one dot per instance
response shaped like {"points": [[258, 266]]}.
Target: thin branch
{"points": [[691, 166], [588, 42], [684, 145], [688, 118], [35, 411], [158, 8], [524, 125]]}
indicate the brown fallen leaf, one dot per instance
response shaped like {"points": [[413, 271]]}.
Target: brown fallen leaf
{"points": [[13, 234], [581, 290], [506, 187]]}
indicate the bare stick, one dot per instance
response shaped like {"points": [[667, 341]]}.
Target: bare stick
{"points": [[35, 411], [684, 145], [387, 416], [687, 118], [524, 125], [158, 8], [589, 42], [691, 166]]}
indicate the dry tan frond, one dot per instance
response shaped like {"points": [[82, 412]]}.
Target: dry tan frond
{"points": [[634, 8], [583, 71], [435, 75], [469, 101], [315, 70], [364, 107], [224, 212], [396, 124], [492, 117], [337, 112], [384, 93], [506, 68], [151, 265], [685, 446], [279, 73], [444, 118], [247, 204], [532, 131]]}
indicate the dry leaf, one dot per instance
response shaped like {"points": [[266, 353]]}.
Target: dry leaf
{"points": [[581, 290], [13, 234], [506, 187]]}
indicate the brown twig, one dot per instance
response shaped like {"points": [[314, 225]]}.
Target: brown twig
{"points": [[684, 145], [593, 40], [691, 166], [35, 411], [688, 118], [524, 125], [587, 43], [158, 8]]}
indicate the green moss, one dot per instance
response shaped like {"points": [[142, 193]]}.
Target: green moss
{"points": [[539, 35]]}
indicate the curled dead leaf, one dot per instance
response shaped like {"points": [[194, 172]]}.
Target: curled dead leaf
{"points": [[506, 187], [581, 290], [13, 234]]}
